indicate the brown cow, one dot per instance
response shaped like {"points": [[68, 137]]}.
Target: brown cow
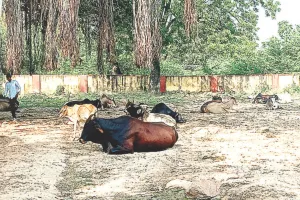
{"points": [[126, 134]]}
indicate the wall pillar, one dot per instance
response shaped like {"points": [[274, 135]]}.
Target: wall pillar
{"points": [[163, 87], [275, 81], [36, 83], [213, 84], [83, 83]]}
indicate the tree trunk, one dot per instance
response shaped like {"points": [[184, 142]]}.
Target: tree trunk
{"points": [[14, 44], [51, 53], [0, 8], [155, 76], [68, 25], [147, 38], [190, 16], [106, 38]]}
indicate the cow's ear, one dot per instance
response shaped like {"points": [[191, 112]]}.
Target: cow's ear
{"points": [[98, 127]]}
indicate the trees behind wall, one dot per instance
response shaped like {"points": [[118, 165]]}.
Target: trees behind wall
{"points": [[143, 36]]}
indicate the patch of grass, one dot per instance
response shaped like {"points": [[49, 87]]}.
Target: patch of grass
{"points": [[56, 101], [292, 89]]}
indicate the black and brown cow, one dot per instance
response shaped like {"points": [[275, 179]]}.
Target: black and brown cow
{"points": [[126, 134]]}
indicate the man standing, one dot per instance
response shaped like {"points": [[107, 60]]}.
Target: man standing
{"points": [[12, 90]]}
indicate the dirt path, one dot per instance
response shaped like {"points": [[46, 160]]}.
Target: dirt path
{"points": [[254, 154]]}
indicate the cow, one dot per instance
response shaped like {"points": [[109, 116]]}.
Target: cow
{"points": [[135, 110], [214, 99], [271, 104], [5, 105], [216, 107], [107, 102], [126, 134], [263, 98], [96, 103], [77, 114], [158, 117], [164, 109]]}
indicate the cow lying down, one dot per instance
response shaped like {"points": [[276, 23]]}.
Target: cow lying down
{"points": [[140, 111], [126, 135], [220, 107], [158, 117]]}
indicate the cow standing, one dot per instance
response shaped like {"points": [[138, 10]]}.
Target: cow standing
{"points": [[126, 135], [77, 114]]}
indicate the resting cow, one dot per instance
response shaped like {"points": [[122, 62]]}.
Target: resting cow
{"points": [[263, 98], [96, 103], [221, 107], [164, 109], [107, 102], [217, 99], [126, 134], [158, 117], [135, 110]]}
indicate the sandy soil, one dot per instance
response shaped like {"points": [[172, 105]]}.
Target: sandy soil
{"points": [[253, 153]]}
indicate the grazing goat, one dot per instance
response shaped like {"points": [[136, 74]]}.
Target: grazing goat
{"points": [[216, 107]]}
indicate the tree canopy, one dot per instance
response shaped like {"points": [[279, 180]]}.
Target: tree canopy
{"points": [[169, 37]]}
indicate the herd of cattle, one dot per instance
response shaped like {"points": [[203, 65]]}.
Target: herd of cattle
{"points": [[139, 129]]}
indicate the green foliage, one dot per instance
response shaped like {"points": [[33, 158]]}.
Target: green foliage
{"points": [[292, 89], [224, 41]]}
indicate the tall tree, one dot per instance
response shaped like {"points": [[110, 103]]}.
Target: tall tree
{"points": [[14, 43], [50, 14], [0, 8], [106, 39], [68, 24], [147, 38], [190, 16]]}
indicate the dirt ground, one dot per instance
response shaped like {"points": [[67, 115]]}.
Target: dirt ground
{"points": [[253, 153]]}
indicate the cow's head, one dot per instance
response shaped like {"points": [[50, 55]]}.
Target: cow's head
{"points": [[108, 102], [233, 100], [217, 98], [92, 131], [135, 110], [63, 111], [179, 118]]}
